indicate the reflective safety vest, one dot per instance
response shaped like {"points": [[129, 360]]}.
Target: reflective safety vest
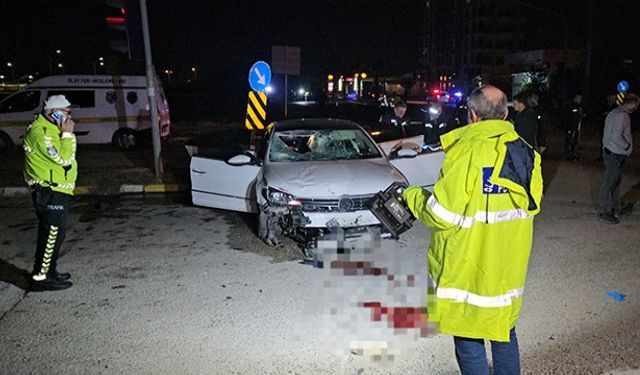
{"points": [[50, 156], [481, 214]]}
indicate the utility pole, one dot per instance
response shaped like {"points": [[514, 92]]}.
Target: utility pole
{"points": [[587, 63], [151, 84]]}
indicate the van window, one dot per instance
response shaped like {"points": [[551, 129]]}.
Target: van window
{"points": [[78, 98], [21, 102]]}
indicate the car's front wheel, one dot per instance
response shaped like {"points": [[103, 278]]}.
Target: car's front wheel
{"points": [[5, 142], [269, 229]]}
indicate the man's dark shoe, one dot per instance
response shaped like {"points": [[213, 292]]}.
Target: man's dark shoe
{"points": [[609, 218], [626, 210], [48, 284], [60, 276]]}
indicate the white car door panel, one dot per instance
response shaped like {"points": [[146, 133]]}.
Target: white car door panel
{"points": [[422, 170], [411, 142], [214, 183]]}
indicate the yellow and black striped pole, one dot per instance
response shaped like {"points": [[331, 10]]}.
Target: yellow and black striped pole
{"points": [[256, 110], [620, 97]]}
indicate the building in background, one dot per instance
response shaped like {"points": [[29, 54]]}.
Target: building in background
{"points": [[470, 42], [469, 38]]}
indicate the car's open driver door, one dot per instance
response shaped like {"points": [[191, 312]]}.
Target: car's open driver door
{"points": [[218, 184]]}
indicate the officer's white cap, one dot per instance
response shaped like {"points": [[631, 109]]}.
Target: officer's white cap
{"points": [[56, 102]]}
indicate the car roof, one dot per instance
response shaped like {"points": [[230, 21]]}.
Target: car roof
{"points": [[314, 124]]}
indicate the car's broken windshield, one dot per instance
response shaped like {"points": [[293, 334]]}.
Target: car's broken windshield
{"points": [[321, 144]]}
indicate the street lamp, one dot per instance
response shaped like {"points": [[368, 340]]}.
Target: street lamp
{"points": [[194, 71], [168, 73], [58, 57], [13, 72], [363, 75]]}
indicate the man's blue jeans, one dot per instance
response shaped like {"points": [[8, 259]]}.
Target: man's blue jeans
{"points": [[472, 358]]}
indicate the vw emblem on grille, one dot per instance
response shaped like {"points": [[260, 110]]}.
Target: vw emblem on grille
{"points": [[345, 204]]}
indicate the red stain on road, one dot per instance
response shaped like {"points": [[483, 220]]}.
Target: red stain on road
{"points": [[399, 317]]}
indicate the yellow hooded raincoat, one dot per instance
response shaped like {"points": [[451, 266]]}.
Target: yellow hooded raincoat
{"points": [[481, 213]]}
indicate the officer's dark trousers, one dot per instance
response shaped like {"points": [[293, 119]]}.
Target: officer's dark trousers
{"points": [[52, 211], [610, 194], [570, 141]]}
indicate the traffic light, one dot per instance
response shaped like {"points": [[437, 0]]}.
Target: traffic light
{"points": [[116, 20], [123, 18]]}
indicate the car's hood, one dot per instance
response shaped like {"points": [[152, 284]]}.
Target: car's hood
{"points": [[325, 179]]}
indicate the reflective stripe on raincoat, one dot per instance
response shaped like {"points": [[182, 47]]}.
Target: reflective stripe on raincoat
{"points": [[481, 214]]}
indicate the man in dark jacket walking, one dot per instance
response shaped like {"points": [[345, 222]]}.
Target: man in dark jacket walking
{"points": [[525, 121]]}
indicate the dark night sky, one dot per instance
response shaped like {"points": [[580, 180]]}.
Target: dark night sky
{"points": [[219, 37], [223, 38]]}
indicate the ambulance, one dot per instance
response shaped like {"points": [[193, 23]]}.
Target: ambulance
{"points": [[106, 108]]}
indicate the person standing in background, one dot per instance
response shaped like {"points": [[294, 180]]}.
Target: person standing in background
{"points": [[572, 126], [525, 121], [617, 145], [50, 170]]}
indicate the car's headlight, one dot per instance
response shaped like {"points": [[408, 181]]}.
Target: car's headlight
{"points": [[280, 198]]}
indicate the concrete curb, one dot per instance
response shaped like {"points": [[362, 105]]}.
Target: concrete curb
{"points": [[92, 190]]}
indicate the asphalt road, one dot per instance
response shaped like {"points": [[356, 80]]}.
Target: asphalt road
{"points": [[163, 287]]}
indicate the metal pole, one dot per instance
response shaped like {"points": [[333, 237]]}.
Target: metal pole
{"points": [[587, 64], [153, 104], [286, 98], [563, 92], [286, 90]]}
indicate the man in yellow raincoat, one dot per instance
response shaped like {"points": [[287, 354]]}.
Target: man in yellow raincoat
{"points": [[481, 214]]}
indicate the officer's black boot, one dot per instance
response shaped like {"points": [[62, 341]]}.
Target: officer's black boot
{"points": [[48, 284], [60, 276]]}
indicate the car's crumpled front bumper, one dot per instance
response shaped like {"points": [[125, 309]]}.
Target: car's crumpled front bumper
{"points": [[340, 219]]}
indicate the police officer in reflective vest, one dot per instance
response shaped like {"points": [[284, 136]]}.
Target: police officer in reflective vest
{"points": [[50, 169], [397, 121], [436, 123], [481, 212]]}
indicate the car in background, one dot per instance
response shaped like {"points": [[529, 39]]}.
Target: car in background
{"points": [[306, 177]]}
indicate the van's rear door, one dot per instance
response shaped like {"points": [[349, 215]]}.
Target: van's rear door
{"points": [[164, 117]]}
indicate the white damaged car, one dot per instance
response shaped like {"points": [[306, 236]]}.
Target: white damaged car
{"points": [[307, 176]]}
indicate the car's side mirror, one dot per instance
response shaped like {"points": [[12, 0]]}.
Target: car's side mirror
{"points": [[241, 159], [403, 153]]}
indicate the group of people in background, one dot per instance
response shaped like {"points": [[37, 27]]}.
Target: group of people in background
{"points": [[532, 124]]}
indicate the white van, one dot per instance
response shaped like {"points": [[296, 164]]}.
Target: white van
{"points": [[106, 108]]}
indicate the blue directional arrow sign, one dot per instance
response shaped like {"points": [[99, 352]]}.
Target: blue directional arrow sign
{"points": [[259, 76], [623, 86]]}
